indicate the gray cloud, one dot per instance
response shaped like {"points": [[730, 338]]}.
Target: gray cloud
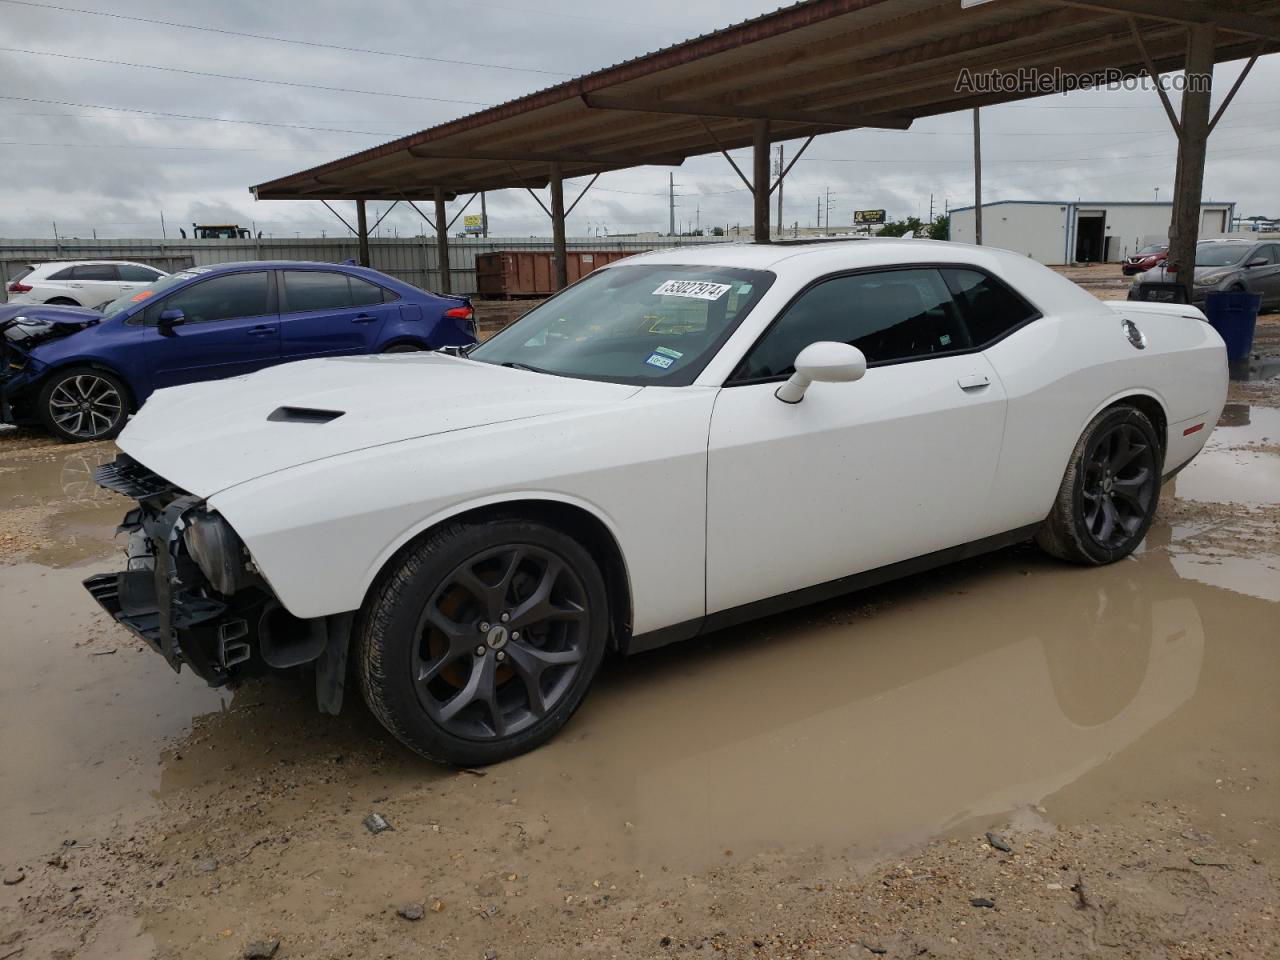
{"points": [[90, 169]]}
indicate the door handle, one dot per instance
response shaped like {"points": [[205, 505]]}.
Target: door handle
{"points": [[975, 381], [261, 331], [363, 318]]}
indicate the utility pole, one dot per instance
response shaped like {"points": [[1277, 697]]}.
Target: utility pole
{"points": [[671, 204], [781, 167], [819, 224], [977, 178], [931, 208], [698, 217], [163, 235], [484, 217], [828, 209]]}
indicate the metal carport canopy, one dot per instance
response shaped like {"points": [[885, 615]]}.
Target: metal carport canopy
{"points": [[807, 69]]}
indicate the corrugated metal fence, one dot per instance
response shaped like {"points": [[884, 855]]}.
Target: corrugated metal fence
{"points": [[411, 259]]}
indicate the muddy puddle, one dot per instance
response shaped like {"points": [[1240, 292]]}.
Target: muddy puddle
{"points": [[51, 511], [1008, 686], [83, 715], [1240, 462]]}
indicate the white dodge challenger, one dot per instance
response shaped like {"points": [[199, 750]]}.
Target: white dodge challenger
{"points": [[677, 443]]}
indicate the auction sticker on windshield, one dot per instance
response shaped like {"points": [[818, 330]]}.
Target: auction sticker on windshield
{"points": [[695, 289]]}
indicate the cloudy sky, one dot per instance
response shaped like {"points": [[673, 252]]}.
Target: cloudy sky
{"points": [[93, 145]]}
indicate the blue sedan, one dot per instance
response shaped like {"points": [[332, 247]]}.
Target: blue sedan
{"points": [[80, 372]]}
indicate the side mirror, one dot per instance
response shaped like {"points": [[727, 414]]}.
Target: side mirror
{"points": [[171, 318], [1258, 262], [823, 362]]}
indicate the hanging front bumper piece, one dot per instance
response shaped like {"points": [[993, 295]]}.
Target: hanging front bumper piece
{"points": [[191, 593]]}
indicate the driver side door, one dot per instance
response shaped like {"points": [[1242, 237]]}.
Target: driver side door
{"points": [[230, 327], [857, 475]]}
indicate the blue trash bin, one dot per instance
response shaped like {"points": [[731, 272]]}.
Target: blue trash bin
{"points": [[1234, 316]]}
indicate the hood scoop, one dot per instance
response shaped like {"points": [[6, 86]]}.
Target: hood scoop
{"points": [[303, 415]]}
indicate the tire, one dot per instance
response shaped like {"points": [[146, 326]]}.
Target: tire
{"points": [[62, 302], [467, 696], [403, 348], [83, 404], [1110, 491]]}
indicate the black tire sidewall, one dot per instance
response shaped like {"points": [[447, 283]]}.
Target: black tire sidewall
{"points": [[389, 632], [1104, 422], [46, 392]]}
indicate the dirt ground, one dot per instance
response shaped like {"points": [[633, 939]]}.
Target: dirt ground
{"points": [[1005, 758]]}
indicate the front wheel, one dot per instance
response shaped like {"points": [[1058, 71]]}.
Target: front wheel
{"points": [[83, 404], [1109, 493], [483, 641]]}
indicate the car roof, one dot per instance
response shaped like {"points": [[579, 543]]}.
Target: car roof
{"points": [[36, 264]]}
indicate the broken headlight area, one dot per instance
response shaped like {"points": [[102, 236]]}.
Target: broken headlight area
{"points": [[191, 592]]}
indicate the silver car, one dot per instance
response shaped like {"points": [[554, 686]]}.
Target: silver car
{"points": [[1223, 266]]}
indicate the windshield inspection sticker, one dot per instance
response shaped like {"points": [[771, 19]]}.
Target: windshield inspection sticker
{"points": [[694, 289], [668, 352], [659, 361]]}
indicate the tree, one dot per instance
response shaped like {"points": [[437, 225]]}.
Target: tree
{"points": [[717, 231], [901, 228], [940, 229]]}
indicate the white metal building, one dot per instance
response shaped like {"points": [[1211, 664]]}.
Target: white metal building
{"points": [[1059, 232]]}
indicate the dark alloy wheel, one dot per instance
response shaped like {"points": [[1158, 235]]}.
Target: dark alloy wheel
{"points": [[1119, 485], [484, 641], [84, 404], [1109, 494]]}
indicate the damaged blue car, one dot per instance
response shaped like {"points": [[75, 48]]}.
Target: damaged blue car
{"points": [[80, 372]]}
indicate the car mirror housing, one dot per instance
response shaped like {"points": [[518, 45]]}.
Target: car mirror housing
{"points": [[171, 318], [824, 362], [1258, 262]]}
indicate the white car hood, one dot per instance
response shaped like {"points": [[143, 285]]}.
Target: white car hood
{"points": [[206, 437]]}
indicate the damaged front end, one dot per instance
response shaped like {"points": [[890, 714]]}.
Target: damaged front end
{"points": [[191, 591], [21, 332]]}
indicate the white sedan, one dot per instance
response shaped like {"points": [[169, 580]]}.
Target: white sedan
{"points": [[679, 442], [80, 283]]}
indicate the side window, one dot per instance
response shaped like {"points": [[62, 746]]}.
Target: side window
{"points": [[890, 316], [364, 293], [63, 274], [94, 271], [133, 273], [1267, 253], [990, 308], [221, 298], [316, 290]]}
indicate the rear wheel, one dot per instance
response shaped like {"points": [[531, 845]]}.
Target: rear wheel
{"points": [[83, 404], [403, 348], [484, 640], [62, 302], [1109, 493]]}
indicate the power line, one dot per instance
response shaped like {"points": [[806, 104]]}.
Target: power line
{"points": [[261, 36], [156, 146], [227, 76], [174, 116]]}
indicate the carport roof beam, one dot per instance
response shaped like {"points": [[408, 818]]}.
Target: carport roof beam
{"points": [[810, 68]]}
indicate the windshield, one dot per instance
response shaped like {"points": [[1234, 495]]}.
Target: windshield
{"points": [[643, 324], [151, 290], [1220, 254], [1151, 248]]}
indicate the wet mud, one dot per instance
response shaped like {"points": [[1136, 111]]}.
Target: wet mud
{"points": [[818, 783]]}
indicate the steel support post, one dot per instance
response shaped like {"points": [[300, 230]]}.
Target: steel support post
{"points": [[557, 227], [362, 232], [442, 243], [1192, 146], [760, 179]]}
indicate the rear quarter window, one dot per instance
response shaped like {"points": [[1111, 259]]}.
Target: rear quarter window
{"points": [[991, 309]]}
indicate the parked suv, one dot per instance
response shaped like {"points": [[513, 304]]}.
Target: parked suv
{"points": [[83, 283], [1226, 266], [1152, 255], [81, 373]]}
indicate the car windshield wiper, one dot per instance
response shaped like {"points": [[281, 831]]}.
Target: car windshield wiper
{"points": [[522, 366]]}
